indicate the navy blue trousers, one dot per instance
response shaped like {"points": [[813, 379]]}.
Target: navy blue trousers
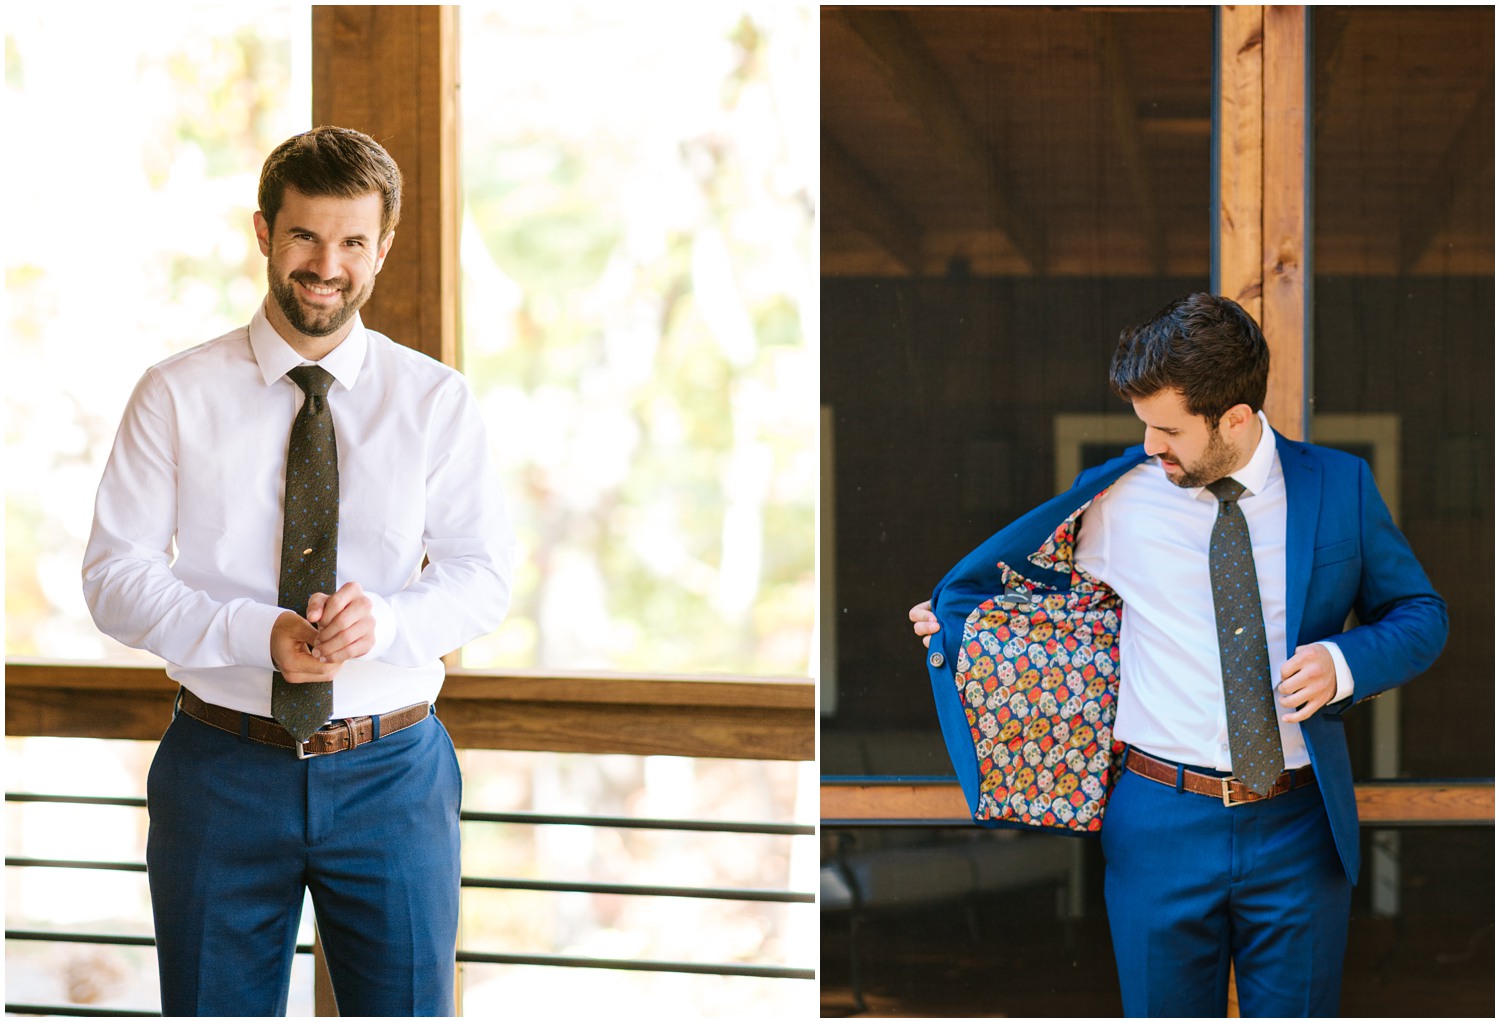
{"points": [[1190, 885], [239, 830]]}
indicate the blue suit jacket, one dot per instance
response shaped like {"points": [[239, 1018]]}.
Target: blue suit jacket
{"points": [[1343, 553]]}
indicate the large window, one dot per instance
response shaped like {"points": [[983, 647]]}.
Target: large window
{"points": [[638, 322], [127, 238]]}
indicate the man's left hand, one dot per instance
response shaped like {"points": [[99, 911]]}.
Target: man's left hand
{"points": [[1308, 682], [346, 625]]}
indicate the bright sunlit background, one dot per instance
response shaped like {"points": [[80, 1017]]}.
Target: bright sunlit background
{"points": [[638, 314]]}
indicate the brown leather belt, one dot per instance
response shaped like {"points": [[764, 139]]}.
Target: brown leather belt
{"points": [[1227, 788], [349, 733]]}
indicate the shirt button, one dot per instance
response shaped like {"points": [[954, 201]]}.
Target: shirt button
{"points": [[936, 660]]}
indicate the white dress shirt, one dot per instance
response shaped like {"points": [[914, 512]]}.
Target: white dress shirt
{"points": [[1147, 538], [184, 558]]}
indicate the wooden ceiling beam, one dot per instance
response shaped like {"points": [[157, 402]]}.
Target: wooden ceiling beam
{"points": [[870, 207], [1127, 126], [917, 82], [1427, 211]]}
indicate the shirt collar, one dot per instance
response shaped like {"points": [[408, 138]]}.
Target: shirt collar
{"points": [[1257, 471], [274, 356]]}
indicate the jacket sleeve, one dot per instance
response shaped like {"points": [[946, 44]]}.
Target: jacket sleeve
{"points": [[1403, 622]]}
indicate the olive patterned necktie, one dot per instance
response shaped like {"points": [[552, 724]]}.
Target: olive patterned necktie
{"points": [[1254, 735], [309, 540]]}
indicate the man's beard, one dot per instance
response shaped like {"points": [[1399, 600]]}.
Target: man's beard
{"points": [[1215, 464], [315, 324]]}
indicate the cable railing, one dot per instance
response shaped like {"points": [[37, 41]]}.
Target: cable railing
{"points": [[703, 717]]}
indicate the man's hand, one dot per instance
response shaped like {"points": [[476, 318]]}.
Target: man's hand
{"points": [[291, 639], [1308, 680], [346, 627], [923, 621]]}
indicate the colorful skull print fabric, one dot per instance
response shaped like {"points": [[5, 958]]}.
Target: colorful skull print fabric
{"points": [[1038, 674]]}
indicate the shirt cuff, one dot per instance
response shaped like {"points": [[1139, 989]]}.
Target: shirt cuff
{"points": [[250, 636], [1341, 671], [385, 626]]}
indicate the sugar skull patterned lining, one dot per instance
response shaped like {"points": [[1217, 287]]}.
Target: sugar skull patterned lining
{"points": [[1038, 674]]}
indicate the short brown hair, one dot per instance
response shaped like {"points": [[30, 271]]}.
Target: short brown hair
{"points": [[1204, 345], [332, 161]]}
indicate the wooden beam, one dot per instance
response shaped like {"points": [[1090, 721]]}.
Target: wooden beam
{"points": [[391, 72], [1239, 151], [941, 801], [1262, 186], [870, 207], [1285, 186], [1129, 136], [725, 717], [918, 82]]}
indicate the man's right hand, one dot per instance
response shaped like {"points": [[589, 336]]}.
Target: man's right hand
{"points": [[291, 637], [923, 621]]}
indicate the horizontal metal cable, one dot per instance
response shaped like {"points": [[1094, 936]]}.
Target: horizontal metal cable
{"points": [[74, 1010], [728, 969], [87, 800], [568, 887], [776, 829], [125, 939], [506, 883], [127, 867], [81, 938], [534, 819]]}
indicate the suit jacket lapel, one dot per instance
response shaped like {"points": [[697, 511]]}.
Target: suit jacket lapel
{"points": [[1303, 479]]}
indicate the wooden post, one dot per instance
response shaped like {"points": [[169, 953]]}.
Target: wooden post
{"points": [[392, 72], [1284, 220], [1263, 186], [1239, 146], [324, 1004]]}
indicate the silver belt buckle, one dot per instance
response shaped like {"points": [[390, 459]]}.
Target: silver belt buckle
{"points": [[1224, 783], [347, 724]]}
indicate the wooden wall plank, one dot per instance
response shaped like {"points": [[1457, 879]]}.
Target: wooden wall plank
{"points": [[1285, 187], [391, 72]]}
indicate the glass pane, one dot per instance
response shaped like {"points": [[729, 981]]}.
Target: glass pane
{"points": [[637, 318], [144, 138]]}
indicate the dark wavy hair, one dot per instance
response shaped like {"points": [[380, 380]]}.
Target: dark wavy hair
{"points": [[332, 161], [1203, 345]]}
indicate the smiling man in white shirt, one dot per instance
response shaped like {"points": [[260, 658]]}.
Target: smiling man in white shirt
{"points": [[1231, 835], [186, 560]]}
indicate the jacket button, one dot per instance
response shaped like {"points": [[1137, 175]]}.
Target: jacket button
{"points": [[936, 660]]}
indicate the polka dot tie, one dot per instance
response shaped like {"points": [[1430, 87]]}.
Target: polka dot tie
{"points": [[309, 541], [1254, 736]]}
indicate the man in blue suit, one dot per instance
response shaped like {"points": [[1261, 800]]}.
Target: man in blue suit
{"points": [[1206, 864]]}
